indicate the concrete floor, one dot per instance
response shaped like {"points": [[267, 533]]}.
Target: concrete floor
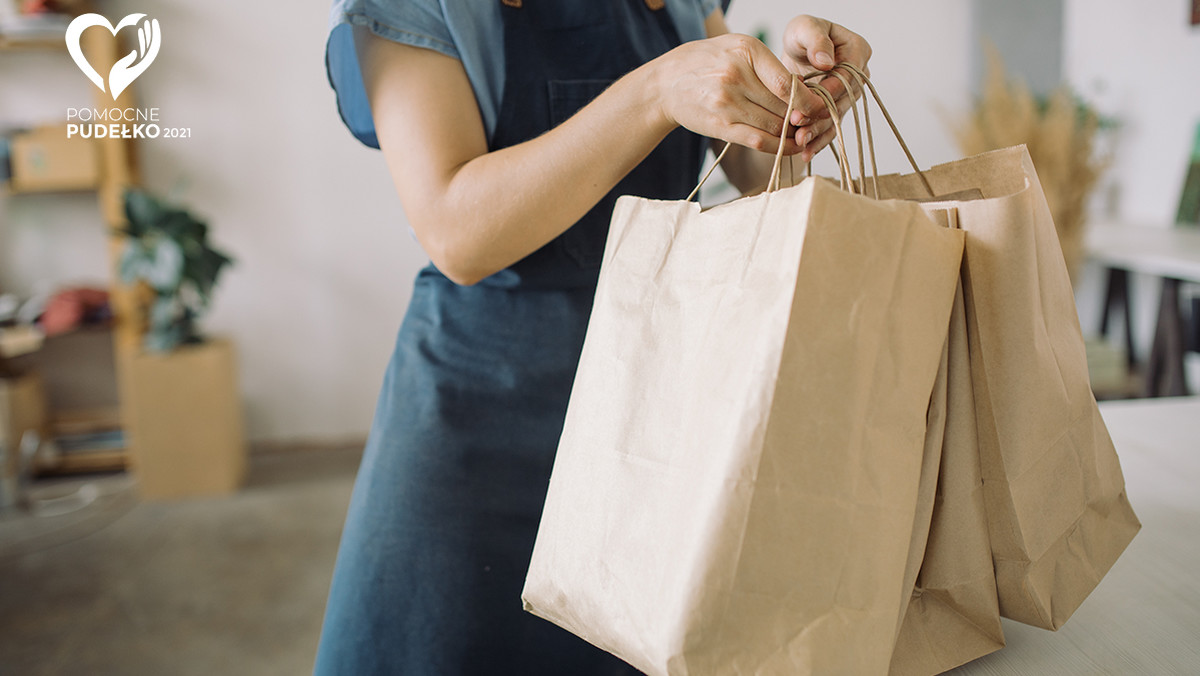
{"points": [[231, 585]]}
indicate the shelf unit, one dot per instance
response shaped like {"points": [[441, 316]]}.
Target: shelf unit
{"points": [[180, 412], [116, 171], [37, 44]]}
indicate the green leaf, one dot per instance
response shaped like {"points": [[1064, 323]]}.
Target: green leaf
{"points": [[166, 269], [134, 259], [142, 212], [168, 248]]}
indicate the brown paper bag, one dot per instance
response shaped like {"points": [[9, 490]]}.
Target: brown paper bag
{"points": [[952, 617], [1058, 516], [736, 483]]}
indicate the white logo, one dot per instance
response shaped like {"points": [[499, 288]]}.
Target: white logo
{"points": [[124, 71]]}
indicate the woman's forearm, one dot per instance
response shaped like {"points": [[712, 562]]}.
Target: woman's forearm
{"points": [[477, 212], [503, 205]]}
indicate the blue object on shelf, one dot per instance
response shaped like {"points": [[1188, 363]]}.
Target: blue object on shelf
{"points": [[5, 160]]}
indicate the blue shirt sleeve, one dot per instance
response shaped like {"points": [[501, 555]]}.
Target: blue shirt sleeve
{"points": [[419, 23], [467, 30]]}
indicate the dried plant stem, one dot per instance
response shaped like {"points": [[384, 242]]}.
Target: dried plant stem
{"points": [[1060, 135]]}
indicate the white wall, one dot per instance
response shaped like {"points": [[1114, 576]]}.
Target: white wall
{"points": [[1028, 34], [1139, 62], [324, 259]]}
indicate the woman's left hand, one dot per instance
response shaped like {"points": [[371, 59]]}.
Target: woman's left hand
{"points": [[811, 44]]}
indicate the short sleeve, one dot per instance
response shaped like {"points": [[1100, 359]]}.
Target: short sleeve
{"points": [[419, 23], [709, 6]]}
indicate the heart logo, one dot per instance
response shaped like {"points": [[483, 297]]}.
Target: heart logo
{"points": [[129, 67]]}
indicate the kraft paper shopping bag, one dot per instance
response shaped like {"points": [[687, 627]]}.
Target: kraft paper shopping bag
{"points": [[736, 484], [1057, 512], [952, 616]]}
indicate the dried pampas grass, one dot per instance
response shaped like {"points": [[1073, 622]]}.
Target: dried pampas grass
{"points": [[1060, 133]]}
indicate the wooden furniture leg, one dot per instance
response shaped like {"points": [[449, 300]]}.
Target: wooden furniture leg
{"points": [[1116, 292], [1165, 373]]}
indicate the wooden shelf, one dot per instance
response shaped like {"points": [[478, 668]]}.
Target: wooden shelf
{"points": [[81, 463], [18, 44], [64, 189], [111, 169], [19, 340], [81, 422], [86, 421]]}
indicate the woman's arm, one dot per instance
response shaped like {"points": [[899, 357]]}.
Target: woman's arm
{"points": [[809, 44], [477, 212]]}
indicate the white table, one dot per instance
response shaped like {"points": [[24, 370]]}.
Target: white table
{"points": [[1144, 618], [1172, 253], [1160, 251]]}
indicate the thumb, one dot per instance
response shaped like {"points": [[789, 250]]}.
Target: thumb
{"points": [[807, 39]]}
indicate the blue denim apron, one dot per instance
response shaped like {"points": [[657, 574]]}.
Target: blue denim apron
{"points": [[448, 498]]}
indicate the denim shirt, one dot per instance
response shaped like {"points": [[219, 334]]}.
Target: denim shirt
{"points": [[468, 30]]}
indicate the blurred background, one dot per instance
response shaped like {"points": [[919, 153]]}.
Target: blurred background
{"points": [[177, 511]]}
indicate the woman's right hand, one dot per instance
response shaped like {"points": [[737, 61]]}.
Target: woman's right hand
{"points": [[729, 87]]}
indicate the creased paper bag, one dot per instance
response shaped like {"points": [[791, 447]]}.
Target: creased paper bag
{"points": [[953, 616], [1058, 516], [736, 483]]}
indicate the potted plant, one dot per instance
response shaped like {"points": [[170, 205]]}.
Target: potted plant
{"points": [[168, 253], [185, 417]]}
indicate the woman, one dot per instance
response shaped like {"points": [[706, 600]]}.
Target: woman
{"points": [[509, 128]]}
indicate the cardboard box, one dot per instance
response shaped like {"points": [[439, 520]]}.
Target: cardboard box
{"points": [[184, 423], [45, 160]]}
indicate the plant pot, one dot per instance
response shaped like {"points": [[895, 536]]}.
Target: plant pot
{"points": [[185, 421]]}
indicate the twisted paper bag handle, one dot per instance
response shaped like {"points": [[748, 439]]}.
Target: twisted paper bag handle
{"points": [[839, 150]]}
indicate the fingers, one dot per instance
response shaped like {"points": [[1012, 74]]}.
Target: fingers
{"points": [[818, 144], [771, 84], [850, 46], [756, 139], [759, 118], [751, 95], [836, 86], [807, 39], [821, 44], [816, 134], [819, 110], [148, 36], [153, 39], [813, 44], [766, 86], [762, 98], [809, 107], [813, 139], [733, 88]]}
